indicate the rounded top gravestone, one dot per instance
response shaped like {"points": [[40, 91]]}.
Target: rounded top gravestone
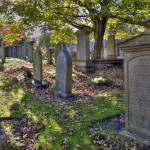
{"points": [[64, 73]]}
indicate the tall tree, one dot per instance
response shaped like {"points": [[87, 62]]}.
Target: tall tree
{"points": [[92, 15]]}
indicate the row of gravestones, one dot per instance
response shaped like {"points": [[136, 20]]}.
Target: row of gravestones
{"points": [[18, 51], [137, 82], [137, 78], [63, 72]]}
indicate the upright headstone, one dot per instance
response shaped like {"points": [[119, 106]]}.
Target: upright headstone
{"points": [[9, 52], [15, 51], [3, 51], [64, 74], [37, 68], [111, 55], [24, 52], [21, 48], [49, 56], [19, 52], [30, 52], [83, 62], [137, 84]]}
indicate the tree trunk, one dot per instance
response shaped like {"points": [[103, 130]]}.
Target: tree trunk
{"points": [[99, 30]]}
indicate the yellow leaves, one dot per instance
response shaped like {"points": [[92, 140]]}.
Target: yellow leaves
{"points": [[64, 34]]}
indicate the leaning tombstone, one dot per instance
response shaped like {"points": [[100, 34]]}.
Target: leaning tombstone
{"points": [[37, 70], [3, 51], [64, 74], [137, 85], [49, 55]]}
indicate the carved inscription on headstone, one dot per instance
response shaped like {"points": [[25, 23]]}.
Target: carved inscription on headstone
{"points": [[64, 73], [139, 93]]}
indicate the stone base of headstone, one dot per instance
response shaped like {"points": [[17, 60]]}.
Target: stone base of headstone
{"points": [[65, 95], [136, 136], [84, 66], [40, 85]]}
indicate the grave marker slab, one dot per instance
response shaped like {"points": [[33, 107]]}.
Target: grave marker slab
{"points": [[30, 52], [24, 52], [137, 85], [64, 74], [83, 62], [111, 48], [37, 70]]}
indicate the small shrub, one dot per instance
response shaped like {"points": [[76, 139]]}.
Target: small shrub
{"points": [[102, 81]]}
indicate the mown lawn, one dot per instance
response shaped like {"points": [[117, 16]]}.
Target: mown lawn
{"points": [[55, 124]]}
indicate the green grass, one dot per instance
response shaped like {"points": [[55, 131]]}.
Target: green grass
{"points": [[16, 103]]}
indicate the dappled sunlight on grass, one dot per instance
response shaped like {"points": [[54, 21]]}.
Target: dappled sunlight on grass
{"points": [[70, 122]]}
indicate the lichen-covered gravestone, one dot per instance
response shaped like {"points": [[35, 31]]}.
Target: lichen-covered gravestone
{"points": [[137, 85], [64, 74], [24, 52]]}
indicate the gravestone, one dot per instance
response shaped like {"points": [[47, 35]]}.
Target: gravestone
{"points": [[83, 63], [111, 55], [19, 52], [37, 68], [64, 74], [24, 52], [49, 56], [137, 85], [30, 52], [3, 52], [15, 51]]}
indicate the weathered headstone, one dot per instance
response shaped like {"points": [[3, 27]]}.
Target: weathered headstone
{"points": [[30, 52], [19, 52], [3, 52], [49, 56], [37, 68], [64, 74], [137, 85], [83, 62], [24, 52], [15, 51], [111, 55]]}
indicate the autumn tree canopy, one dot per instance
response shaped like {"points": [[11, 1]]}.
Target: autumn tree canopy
{"points": [[94, 15]]}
